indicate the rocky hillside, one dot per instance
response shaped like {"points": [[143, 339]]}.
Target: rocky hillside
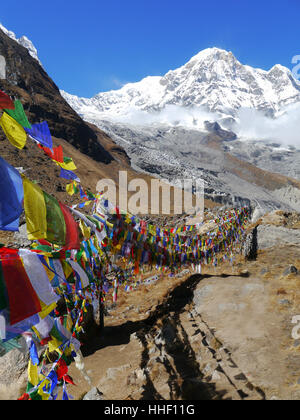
{"points": [[234, 171]]}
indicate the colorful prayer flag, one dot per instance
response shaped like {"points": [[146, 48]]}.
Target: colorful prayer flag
{"points": [[35, 211], [13, 131], [72, 234], [12, 195], [41, 133], [18, 114], [68, 175], [56, 226], [5, 101], [68, 164]]}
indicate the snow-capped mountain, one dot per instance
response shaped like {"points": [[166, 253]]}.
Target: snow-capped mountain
{"points": [[24, 41], [213, 81], [174, 127]]}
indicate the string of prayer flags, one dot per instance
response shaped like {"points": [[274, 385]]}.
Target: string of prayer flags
{"points": [[11, 188], [41, 133], [18, 114], [13, 131], [5, 101]]}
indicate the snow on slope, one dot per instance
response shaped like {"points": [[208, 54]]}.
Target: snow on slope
{"points": [[24, 41]]}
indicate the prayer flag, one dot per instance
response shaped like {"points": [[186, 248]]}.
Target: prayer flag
{"points": [[56, 226], [13, 131], [68, 164], [72, 233], [12, 195], [68, 175], [18, 114], [55, 154], [22, 298], [41, 133], [5, 101], [35, 211]]}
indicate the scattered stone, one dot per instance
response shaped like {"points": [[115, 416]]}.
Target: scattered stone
{"points": [[290, 270], [284, 302], [244, 273], [93, 395]]}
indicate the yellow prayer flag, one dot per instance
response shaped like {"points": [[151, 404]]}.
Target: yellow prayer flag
{"points": [[35, 211], [13, 131], [70, 189], [86, 231], [33, 377], [67, 269], [69, 166], [46, 309], [49, 273], [45, 384]]}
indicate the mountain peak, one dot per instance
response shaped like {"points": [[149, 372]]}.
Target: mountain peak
{"points": [[213, 80], [211, 52]]}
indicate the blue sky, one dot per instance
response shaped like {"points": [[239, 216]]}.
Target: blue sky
{"points": [[95, 45]]}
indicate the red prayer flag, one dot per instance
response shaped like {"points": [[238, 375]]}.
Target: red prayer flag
{"points": [[72, 233], [23, 300], [56, 154], [5, 101], [62, 369]]}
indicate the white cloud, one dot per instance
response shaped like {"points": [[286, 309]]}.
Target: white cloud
{"points": [[173, 115], [253, 124]]}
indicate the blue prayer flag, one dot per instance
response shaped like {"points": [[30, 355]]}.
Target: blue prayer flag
{"points": [[12, 196], [68, 175], [41, 133]]}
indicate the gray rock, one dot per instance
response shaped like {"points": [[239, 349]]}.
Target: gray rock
{"points": [[201, 293], [269, 236], [296, 343], [20, 238], [250, 245], [93, 395], [290, 270], [13, 374], [284, 302]]}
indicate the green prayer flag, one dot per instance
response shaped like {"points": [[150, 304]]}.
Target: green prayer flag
{"points": [[56, 226], [18, 114]]}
